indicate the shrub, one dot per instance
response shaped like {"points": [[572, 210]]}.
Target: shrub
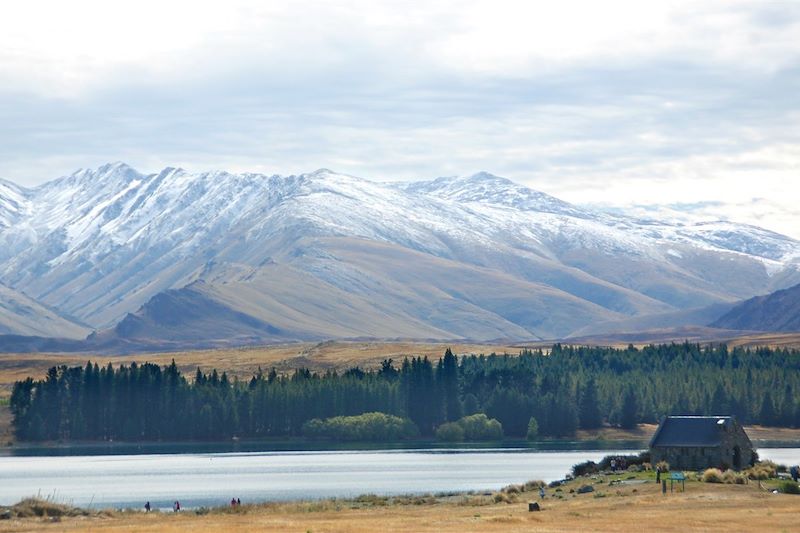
{"points": [[769, 466], [641, 458], [533, 429], [450, 432], [757, 473], [532, 485], [728, 476], [663, 466], [501, 497], [762, 470], [585, 468], [364, 427], [30, 507], [481, 427], [789, 487], [712, 475], [472, 427], [734, 478]]}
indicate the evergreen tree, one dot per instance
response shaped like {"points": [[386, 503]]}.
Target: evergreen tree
{"points": [[589, 413], [448, 379], [571, 386], [767, 416], [630, 410]]}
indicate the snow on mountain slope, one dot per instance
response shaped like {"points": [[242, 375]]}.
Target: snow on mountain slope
{"points": [[14, 204], [490, 189], [99, 244]]}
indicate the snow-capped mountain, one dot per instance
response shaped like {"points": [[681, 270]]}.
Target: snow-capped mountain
{"points": [[14, 204], [323, 255]]}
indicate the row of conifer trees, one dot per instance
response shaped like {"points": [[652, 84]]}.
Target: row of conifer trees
{"points": [[564, 389]]}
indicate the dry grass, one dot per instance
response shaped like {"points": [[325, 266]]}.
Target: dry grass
{"points": [[642, 432], [703, 507], [37, 507], [243, 362]]}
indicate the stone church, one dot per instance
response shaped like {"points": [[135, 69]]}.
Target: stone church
{"points": [[699, 442]]}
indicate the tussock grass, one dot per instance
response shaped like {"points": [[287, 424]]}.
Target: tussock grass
{"points": [[712, 475], [763, 470], [37, 507], [734, 478], [729, 477]]}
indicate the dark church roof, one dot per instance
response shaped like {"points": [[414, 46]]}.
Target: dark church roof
{"points": [[684, 431]]}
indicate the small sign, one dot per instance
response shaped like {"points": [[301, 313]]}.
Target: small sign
{"points": [[677, 476]]}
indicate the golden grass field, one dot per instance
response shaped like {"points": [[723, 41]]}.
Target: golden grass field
{"points": [[244, 362], [640, 507]]}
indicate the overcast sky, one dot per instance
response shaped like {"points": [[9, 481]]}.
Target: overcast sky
{"points": [[612, 103]]}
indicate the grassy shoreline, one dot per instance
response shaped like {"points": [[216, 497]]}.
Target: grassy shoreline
{"points": [[617, 502]]}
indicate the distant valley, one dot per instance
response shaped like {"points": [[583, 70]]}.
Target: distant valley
{"points": [[176, 260]]}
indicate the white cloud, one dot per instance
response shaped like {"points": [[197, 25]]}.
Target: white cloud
{"points": [[607, 102]]}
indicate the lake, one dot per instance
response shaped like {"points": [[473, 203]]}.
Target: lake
{"points": [[210, 479]]}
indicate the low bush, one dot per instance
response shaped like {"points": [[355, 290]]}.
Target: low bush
{"points": [[30, 507], [450, 432], [627, 460], [762, 470], [585, 468], [365, 427], [472, 427], [712, 475], [789, 487], [734, 478], [372, 500], [501, 497], [532, 485], [481, 427], [770, 467]]}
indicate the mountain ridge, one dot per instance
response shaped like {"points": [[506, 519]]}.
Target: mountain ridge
{"points": [[777, 311], [431, 255]]}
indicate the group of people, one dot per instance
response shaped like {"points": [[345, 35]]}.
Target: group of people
{"points": [[618, 463], [176, 505]]}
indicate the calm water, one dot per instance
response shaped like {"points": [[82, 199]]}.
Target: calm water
{"points": [[213, 478], [206, 479]]}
